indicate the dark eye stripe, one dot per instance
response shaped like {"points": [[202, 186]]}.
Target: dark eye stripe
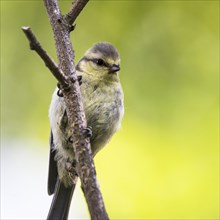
{"points": [[99, 62]]}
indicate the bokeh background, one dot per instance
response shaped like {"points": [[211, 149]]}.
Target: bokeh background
{"points": [[164, 162]]}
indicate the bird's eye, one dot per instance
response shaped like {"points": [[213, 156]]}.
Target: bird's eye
{"points": [[100, 62]]}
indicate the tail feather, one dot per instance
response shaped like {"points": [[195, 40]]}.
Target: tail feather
{"points": [[60, 205]]}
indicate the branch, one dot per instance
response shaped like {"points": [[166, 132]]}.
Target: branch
{"points": [[52, 66], [76, 117], [75, 10]]}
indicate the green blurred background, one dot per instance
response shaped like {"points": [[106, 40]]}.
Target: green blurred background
{"points": [[164, 162]]}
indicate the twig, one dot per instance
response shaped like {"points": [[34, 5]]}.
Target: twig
{"points": [[75, 10], [52, 66]]}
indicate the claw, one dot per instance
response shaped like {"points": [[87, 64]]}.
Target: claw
{"points": [[70, 139], [79, 79], [59, 93], [87, 132]]}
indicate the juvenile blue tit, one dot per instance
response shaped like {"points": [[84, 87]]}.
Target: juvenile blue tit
{"points": [[103, 102]]}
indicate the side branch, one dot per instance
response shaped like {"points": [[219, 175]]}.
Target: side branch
{"points": [[52, 66], [75, 10]]}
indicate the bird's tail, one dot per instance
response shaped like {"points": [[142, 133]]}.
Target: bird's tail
{"points": [[60, 205]]}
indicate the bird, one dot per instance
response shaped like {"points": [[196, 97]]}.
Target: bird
{"points": [[103, 103]]}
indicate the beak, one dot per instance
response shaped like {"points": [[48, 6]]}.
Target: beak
{"points": [[114, 68]]}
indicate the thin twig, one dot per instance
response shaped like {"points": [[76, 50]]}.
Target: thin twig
{"points": [[52, 66], [75, 10]]}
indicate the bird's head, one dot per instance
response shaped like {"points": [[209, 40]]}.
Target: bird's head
{"points": [[101, 61]]}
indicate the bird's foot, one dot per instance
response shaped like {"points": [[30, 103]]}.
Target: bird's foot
{"points": [[70, 139], [59, 92], [79, 78], [87, 132]]}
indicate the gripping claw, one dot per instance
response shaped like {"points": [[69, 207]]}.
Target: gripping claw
{"points": [[59, 93], [87, 132], [79, 79]]}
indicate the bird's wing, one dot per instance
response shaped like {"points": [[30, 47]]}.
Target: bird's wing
{"points": [[52, 174]]}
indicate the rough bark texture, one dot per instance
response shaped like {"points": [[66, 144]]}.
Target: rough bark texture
{"points": [[67, 78]]}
